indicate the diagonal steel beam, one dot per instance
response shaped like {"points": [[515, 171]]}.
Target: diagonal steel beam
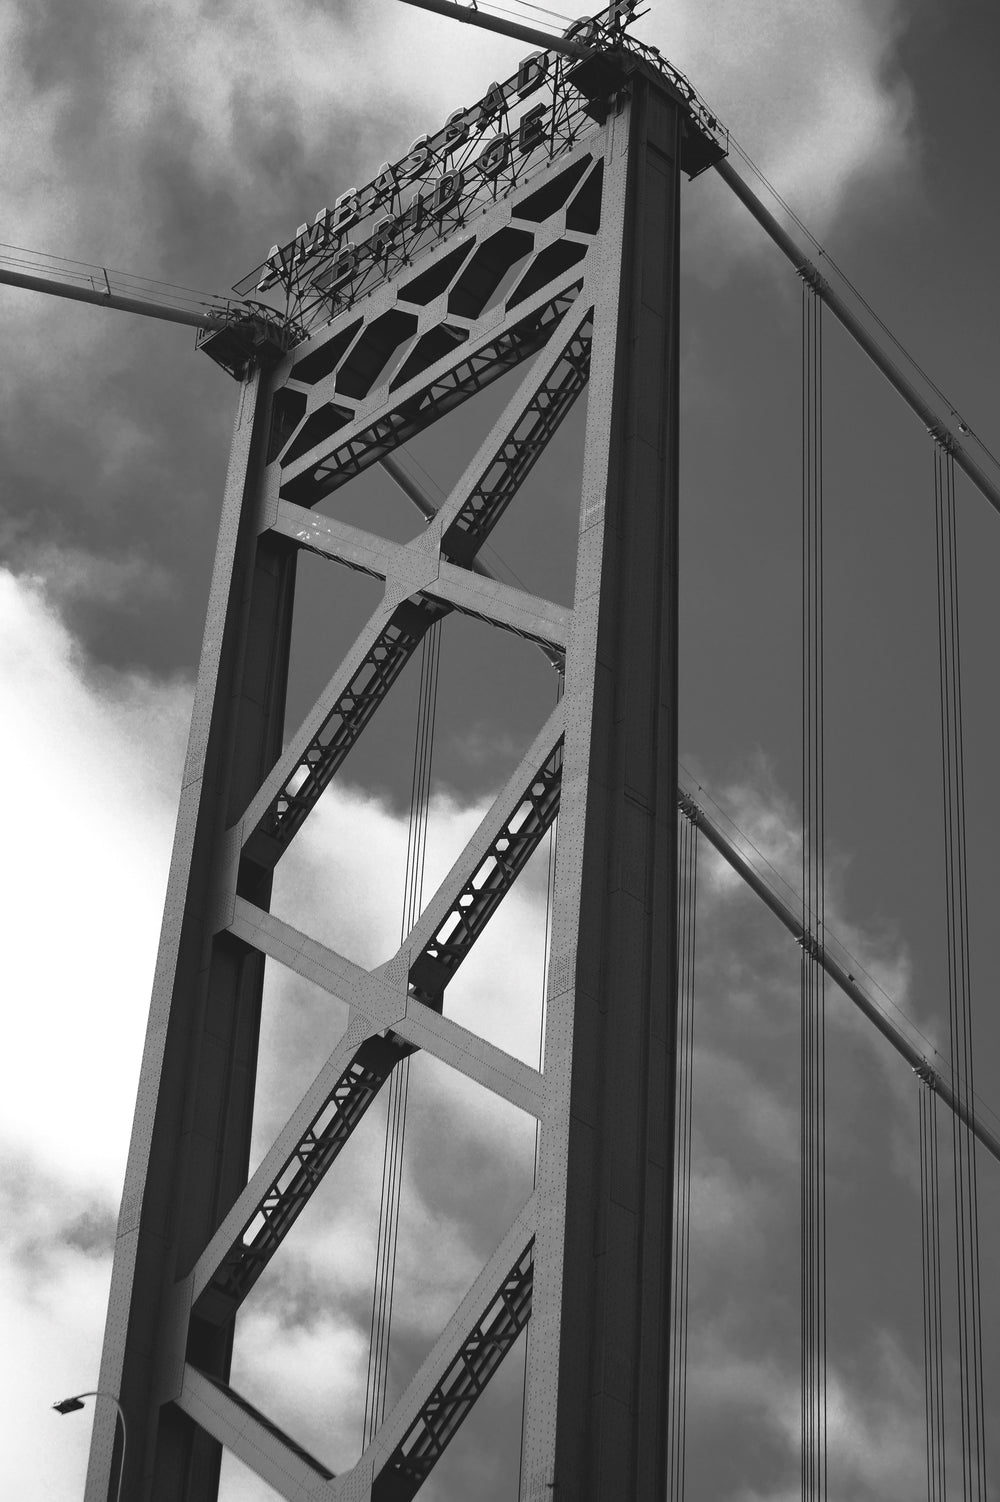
{"points": [[456, 1392], [518, 441], [426, 1418], [467, 1353], [429, 510], [308, 765], [487, 863], [460, 913], [260, 1445], [547, 386], [278, 1192]]}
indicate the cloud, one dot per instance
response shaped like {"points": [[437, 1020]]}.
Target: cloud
{"points": [[91, 763], [179, 141], [343, 883], [816, 95], [874, 1417], [92, 774], [745, 1215], [55, 1272], [106, 752], [241, 113]]}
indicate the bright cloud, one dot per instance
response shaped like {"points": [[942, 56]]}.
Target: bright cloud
{"points": [[91, 770], [82, 968]]}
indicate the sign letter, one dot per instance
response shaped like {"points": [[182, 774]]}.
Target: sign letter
{"points": [[271, 274], [417, 162], [531, 73], [456, 130], [446, 191], [342, 267], [531, 131], [493, 103], [494, 156]]}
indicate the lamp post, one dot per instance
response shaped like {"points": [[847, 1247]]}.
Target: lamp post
{"points": [[70, 1405]]}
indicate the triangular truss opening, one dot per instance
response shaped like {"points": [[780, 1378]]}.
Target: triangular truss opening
{"points": [[300, 1024], [331, 607]]}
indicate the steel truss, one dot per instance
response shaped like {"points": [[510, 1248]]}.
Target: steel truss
{"points": [[585, 264]]}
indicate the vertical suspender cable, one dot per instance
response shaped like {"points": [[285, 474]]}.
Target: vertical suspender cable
{"points": [[687, 888], [930, 1258], [392, 1163], [550, 889], [813, 978], [966, 1206]]}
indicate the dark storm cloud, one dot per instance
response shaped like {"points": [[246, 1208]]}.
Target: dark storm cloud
{"points": [[114, 448], [42, 1222], [92, 1232], [297, 1296], [180, 144]]}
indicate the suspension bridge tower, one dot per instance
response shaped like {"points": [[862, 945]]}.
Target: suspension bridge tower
{"points": [[578, 160], [533, 237]]}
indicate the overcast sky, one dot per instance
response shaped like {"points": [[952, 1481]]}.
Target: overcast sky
{"points": [[180, 144]]}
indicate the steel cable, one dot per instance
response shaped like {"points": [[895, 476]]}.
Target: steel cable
{"points": [[966, 1197], [550, 890], [930, 1258], [812, 975], [687, 890], [376, 1388]]}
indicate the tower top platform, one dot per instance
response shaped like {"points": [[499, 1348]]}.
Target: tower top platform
{"points": [[516, 131]]}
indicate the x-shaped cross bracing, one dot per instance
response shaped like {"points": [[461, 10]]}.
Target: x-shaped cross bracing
{"points": [[397, 1007]]}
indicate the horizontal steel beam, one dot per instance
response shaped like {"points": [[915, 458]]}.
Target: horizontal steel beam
{"points": [[485, 598], [379, 996], [916, 1060], [933, 420]]}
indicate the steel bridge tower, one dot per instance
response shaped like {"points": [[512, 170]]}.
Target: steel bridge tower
{"points": [[580, 164]]}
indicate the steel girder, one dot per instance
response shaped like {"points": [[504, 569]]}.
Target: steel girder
{"points": [[586, 1257]]}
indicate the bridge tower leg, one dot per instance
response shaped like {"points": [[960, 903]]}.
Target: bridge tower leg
{"points": [[585, 1264], [596, 1407]]}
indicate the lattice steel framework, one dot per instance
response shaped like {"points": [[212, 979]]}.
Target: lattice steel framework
{"points": [[585, 1262]]}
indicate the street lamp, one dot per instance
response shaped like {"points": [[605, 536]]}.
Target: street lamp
{"points": [[70, 1405]]}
